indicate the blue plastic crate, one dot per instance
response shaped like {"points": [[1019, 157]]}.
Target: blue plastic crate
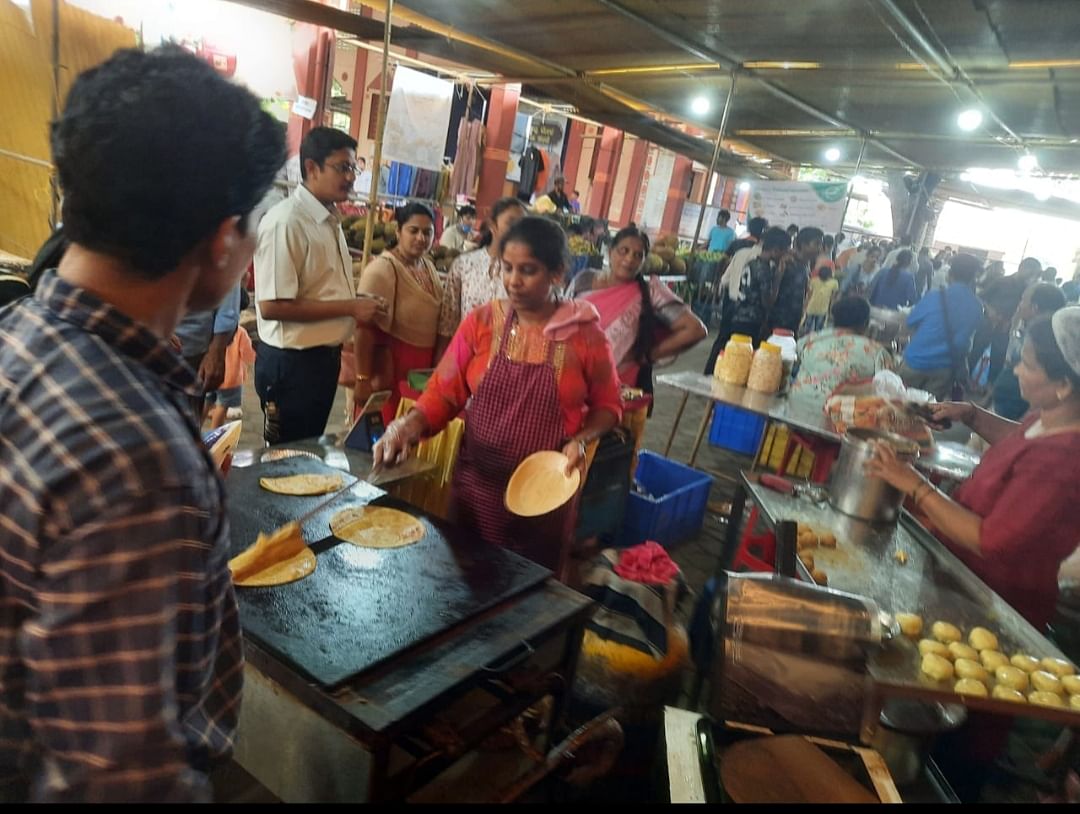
{"points": [[674, 507], [735, 429]]}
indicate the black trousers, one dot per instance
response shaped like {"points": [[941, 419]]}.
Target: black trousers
{"points": [[296, 389]]}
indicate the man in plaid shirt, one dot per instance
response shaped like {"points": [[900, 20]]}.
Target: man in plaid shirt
{"points": [[120, 653]]}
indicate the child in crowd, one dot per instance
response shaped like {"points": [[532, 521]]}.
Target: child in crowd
{"points": [[224, 403], [823, 289]]}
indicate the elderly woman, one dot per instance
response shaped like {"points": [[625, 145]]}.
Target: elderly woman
{"points": [[532, 373], [641, 317], [1016, 520], [837, 355]]}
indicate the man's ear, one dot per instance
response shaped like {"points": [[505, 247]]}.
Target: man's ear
{"points": [[223, 242]]}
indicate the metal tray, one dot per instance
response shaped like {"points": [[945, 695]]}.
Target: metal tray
{"points": [[932, 583]]}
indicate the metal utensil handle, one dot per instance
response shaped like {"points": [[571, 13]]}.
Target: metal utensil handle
{"points": [[308, 515]]}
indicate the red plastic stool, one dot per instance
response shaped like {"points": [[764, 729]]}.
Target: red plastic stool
{"points": [[825, 454], [756, 552]]}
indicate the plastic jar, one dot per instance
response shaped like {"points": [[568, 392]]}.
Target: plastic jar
{"points": [[766, 370], [733, 366], [785, 340]]}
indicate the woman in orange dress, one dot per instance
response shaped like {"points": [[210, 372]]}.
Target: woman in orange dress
{"points": [[403, 337], [532, 373]]}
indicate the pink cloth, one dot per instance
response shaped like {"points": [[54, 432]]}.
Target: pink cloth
{"points": [[569, 318], [647, 563]]}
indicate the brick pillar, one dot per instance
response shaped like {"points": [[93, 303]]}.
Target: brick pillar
{"points": [[500, 128], [677, 190], [312, 47], [603, 181], [574, 146], [633, 183]]}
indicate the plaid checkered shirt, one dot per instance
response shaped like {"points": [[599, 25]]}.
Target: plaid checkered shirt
{"points": [[120, 653]]}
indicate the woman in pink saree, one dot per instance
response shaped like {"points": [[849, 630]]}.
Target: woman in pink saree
{"points": [[643, 319]]}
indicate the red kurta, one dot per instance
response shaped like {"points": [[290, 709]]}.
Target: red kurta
{"points": [[1027, 492], [584, 368]]}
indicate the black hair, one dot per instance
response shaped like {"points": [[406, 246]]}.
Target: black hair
{"points": [[647, 323], [154, 150], [48, 257], [840, 238], [500, 206], [851, 312], [757, 226], [1029, 265], [873, 250], [1040, 333], [403, 213], [545, 239], [577, 193], [467, 212], [925, 250], [903, 260], [361, 160], [965, 268], [793, 227], [828, 241], [824, 273], [1047, 298], [775, 238], [808, 235], [724, 215], [320, 143]]}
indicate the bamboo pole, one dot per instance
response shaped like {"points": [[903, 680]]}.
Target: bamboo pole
{"points": [[712, 163], [380, 126], [54, 181]]}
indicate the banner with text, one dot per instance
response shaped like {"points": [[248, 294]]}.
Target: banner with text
{"points": [[802, 203]]}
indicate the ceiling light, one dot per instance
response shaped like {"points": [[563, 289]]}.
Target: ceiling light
{"points": [[700, 105], [1027, 162], [858, 179], [969, 120], [1042, 194], [744, 186], [832, 154]]}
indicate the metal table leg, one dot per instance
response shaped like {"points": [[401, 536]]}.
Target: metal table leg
{"points": [[675, 425], [705, 419], [734, 529]]}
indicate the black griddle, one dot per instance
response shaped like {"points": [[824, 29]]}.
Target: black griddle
{"points": [[362, 606]]}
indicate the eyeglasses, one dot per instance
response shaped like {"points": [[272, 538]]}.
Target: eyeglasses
{"points": [[346, 168]]}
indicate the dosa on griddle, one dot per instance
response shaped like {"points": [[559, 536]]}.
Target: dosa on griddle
{"points": [[303, 484], [274, 559], [376, 527]]}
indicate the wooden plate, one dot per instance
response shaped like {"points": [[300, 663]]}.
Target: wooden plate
{"points": [[540, 485]]}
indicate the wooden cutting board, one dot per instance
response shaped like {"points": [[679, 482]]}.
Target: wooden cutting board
{"points": [[787, 769]]}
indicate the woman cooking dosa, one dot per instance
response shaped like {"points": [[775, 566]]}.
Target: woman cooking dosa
{"points": [[532, 373]]}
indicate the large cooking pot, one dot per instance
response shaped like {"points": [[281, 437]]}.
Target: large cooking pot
{"points": [[855, 493]]}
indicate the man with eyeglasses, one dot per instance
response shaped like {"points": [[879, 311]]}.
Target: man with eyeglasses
{"points": [[305, 297]]}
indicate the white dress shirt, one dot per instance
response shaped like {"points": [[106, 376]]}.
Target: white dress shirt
{"points": [[302, 254]]}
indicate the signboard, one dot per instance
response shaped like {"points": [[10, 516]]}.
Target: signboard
{"points": [[798, 202], [655, 182], [688, 221], [304, 107]]}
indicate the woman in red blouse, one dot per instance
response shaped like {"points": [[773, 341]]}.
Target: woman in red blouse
{"points": [[1018, 517], [532, 373]]}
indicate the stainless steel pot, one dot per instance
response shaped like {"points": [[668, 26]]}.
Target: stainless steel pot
{"points": [[855, 493]]}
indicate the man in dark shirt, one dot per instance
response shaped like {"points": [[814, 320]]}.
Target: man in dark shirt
{"points": [[755, 229], [759, 280], [558, 195], [790, 285], [120, 654]]}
